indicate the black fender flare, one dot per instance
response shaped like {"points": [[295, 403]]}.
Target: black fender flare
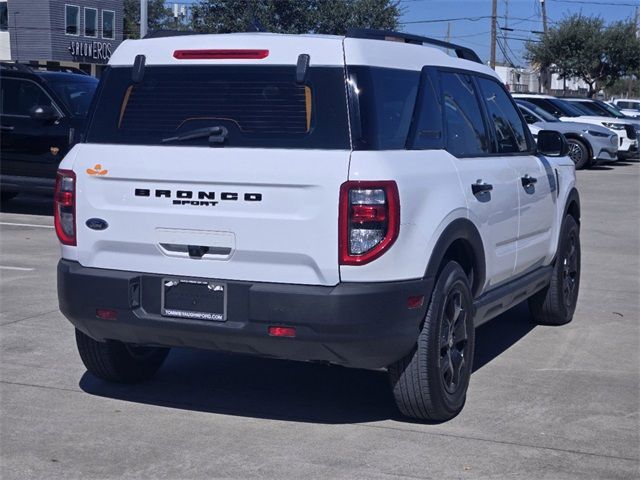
{"points": [[460, 229], [572, 198]]}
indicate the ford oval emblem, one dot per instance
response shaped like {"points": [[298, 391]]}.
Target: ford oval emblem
{"points": [[97, 224]]}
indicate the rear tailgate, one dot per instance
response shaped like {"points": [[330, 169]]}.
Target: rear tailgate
{"points": [[262, 204], [266, 215]]}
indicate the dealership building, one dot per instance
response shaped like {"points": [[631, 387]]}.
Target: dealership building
{"points": [[72, 33]]}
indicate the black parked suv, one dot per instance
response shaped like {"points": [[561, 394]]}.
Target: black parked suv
{"points": [[42, 114]]}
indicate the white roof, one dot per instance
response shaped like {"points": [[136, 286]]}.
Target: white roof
{"points": [[284, 50], [531, 95]]}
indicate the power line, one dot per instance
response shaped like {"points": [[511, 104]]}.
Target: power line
{"points": [[469, 19], [587, 2]]}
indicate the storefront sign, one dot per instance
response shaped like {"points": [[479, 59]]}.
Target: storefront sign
{"points": [[91, 50]]}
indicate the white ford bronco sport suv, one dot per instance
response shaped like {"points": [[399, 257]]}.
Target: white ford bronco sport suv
{"points": [[363, 200]]}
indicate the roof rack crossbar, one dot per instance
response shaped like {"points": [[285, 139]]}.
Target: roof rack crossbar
{"points": [[371, 34]]}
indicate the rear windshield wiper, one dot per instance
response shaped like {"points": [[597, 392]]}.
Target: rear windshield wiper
{"points": [[216, 134]]}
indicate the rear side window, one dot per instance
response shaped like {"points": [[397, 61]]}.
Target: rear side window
{"points": [[259, 106], [381, 103], [427, 133], [546, 106], [528, 116], [19, 97], [466, 131], [507, 124]]}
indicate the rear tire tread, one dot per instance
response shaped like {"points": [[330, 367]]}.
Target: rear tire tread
{"points": [[112, 361], [414, 393]]}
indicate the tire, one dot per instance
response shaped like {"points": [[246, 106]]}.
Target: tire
{"points": [[556, 304], [424, 383], [579, 153], [6, 196], [119, 362]]}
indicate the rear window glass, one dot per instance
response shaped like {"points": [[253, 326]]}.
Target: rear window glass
{"points": [[381, 102], [258, 106]]}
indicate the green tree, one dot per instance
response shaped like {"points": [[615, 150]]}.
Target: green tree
{"points": [[294, 16], [158, 17], [586, 48]]}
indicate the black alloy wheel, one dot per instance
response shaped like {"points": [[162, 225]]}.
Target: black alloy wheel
{"points": [[454, 344]]}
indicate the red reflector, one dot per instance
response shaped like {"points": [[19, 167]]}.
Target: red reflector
{"points": [[282, 331], [415, 302], [106, 314], [220, 54], [368, 213]]}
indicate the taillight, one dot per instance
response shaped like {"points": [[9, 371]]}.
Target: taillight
{"points": [[65, 207], [369, 220], [220, 54]]}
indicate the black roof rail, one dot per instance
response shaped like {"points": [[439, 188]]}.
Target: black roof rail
{"points": [[371, 34], [60, 68], [32, 68], [15, 66]]}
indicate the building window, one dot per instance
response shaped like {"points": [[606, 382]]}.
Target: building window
{"points": [[108, 20], [4, 19], [90, 22], [72, 19]]}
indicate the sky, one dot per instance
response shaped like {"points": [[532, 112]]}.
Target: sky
{"points": [[469, 21]]}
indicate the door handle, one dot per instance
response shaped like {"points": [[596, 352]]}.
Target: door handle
{"points": [[480, 187], [6, 128], [527, 181]]}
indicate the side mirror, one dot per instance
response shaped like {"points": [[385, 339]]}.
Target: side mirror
{"points": [[44, 113], [552, 143]]}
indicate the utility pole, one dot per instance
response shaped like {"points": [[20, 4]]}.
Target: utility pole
{"points": [[144, 18], [506, 27], [494, 26], [545, 77]]}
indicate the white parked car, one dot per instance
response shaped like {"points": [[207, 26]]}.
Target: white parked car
{"points": [[567, 112], [628, 106], [341, 199], [588, 144]]}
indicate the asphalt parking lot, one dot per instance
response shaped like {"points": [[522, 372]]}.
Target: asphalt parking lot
{"points": [[544, 402]]}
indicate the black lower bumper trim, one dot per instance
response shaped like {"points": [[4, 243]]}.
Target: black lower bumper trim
{"points": [[363, 325], [23, 184]]}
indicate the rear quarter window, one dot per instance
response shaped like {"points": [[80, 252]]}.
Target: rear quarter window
{"points": [[382, 103]]}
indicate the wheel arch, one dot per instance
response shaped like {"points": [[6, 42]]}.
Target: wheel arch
{"points": [[572, 205], [460, 241], [586, 142]]}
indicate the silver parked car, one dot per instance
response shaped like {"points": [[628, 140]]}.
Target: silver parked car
{"points": [[588, 144], [629, 106]]}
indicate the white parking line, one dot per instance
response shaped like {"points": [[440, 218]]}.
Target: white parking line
{"points": [[26, 225], [22, 269]]}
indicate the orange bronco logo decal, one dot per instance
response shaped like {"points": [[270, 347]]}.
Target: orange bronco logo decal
{"points": [[97, 170]]}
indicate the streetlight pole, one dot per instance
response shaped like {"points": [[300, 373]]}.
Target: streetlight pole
{"points": [[144, 18]]}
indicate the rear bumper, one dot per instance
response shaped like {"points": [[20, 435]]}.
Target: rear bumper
{"points": [[21, 184], [362, 325]]}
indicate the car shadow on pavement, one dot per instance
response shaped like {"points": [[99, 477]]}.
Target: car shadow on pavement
{"points": [[247, 386], [29, 205]]}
